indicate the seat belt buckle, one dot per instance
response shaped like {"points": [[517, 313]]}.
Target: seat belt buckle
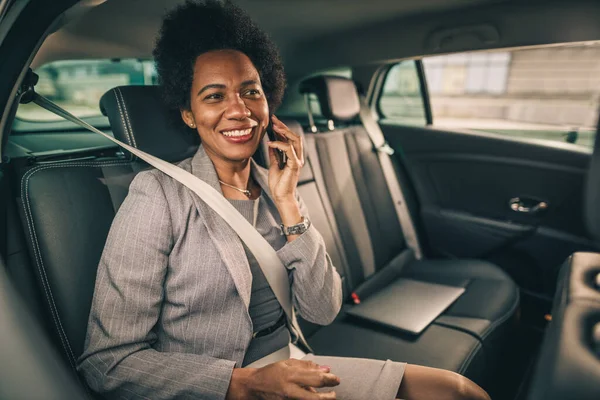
{"points": [[386, 148], [355, 298]]}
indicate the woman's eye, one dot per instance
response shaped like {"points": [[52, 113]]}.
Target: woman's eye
{"points": [[213, 96], [253, 92]]}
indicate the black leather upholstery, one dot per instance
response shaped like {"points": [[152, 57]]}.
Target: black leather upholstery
{"points": [[569, 363], [137, 118], [437, 346], [31, 368], [592, 196], [68, 211], [337, 96]]}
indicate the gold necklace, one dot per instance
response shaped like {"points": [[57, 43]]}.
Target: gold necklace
{"points": [[247, 192]]}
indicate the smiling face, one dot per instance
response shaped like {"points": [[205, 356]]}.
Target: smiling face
{"points": [[228, 106]]}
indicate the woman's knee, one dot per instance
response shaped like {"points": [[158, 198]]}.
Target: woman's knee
{"points": [[432, 383], [466, 389]]}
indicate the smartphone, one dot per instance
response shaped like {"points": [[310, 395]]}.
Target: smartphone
{"points": [[281, 156]]}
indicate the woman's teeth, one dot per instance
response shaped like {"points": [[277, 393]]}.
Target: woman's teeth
{"points": [[237, 133]]}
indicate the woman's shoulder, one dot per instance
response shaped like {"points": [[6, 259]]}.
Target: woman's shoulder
{"points": [[151, 179], [156, 175]]}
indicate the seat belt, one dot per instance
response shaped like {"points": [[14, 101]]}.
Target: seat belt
{"points": [[270, 264], [384, 152]]}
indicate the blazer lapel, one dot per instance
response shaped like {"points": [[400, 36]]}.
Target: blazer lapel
{"points": [[223, 236]]}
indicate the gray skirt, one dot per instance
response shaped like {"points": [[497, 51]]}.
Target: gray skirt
{"points": [[362, 378]]}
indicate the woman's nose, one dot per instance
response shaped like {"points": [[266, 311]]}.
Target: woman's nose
{"points": [[236, 108]]}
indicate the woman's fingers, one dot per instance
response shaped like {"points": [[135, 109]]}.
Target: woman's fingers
{"points": [[317, 379], [273, 158], [284, 132], [301, 393], [310, 374], [293, 161], [296, 379], [327, 396]]}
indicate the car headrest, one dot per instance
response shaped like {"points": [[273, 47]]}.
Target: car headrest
{"points": [[138, 117], [337, 96], [592, 195]]}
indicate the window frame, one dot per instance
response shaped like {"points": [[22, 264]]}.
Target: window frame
{"points": [[380, 75], [380, 79], [100, 121]]}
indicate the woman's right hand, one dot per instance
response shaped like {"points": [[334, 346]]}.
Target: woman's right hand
{"points": [[288, 379]]}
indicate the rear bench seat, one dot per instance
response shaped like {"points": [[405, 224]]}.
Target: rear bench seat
{"points": [[374, 238], [68, 206]]}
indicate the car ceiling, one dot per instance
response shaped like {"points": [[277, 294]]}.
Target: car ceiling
{"points": [[128, 27], [322, 33]]}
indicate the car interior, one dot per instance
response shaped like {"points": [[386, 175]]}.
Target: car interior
{"points": [[489, 111]]}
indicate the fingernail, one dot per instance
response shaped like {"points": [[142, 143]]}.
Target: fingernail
{"points": [[325, 368]]}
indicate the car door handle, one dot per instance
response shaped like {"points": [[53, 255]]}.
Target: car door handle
{"points": [[528, 206]]}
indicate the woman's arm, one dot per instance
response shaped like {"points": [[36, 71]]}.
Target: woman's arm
{"points": [[118, 359], [316, 287]]}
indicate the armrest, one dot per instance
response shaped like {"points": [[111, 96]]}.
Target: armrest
{"points": [[569, 363]]}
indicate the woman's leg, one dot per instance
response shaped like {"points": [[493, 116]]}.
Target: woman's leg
{"points": [[424, 383]]}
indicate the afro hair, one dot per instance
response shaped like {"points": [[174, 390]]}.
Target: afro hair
{"points": [[197, 27]]}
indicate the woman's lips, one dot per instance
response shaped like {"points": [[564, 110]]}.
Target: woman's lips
{"points": [[238, 136]]}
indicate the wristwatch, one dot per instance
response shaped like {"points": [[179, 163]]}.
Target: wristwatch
{"points": [[297, 229]]}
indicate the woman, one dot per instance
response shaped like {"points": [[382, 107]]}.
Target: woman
{"points": [[180, 306]]}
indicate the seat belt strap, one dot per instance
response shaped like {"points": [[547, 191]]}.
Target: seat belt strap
{"points": [[272, 267], [384, 152]]}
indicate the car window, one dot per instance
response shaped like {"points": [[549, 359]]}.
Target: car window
{"points": [[549, 93], [545, 93], [77, 85], [401, 98]]}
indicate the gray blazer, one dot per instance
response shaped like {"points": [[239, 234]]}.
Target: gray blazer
{"points": [[169, 317]]}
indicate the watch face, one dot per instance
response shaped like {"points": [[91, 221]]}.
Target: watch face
{"points": [[297, 229]]}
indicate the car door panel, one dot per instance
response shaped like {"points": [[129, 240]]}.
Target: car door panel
{"points": [[465, 182]]}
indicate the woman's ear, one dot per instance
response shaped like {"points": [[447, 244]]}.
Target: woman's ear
{"points": [[188, 118]]}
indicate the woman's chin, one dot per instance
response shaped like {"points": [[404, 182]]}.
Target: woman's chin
{"points": [[240, 155], [231, 152]]}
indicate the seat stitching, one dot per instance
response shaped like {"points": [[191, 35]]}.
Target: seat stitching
{"points": [[502, 319], [37, 251], [42, 272], [125, 127], [470, 357], [127, 117]]}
